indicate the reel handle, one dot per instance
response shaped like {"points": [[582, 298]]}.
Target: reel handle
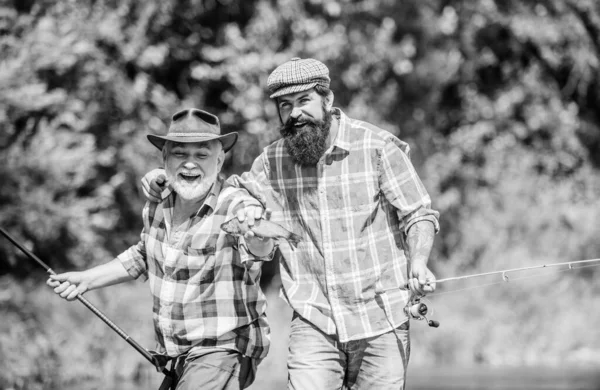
{"points": [[433, 324]]}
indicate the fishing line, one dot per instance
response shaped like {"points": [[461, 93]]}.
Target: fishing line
{"points": [[507, 280]]}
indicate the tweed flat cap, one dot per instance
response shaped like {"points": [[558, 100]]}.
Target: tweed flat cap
{"points": [[297, 75], [193, 125]]}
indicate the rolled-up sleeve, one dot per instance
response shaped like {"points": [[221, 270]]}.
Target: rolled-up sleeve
{"points": [[403, 188]]}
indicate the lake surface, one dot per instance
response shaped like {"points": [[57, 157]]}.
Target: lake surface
{"points": [[433, 378], [485, 378], [495, 378]]}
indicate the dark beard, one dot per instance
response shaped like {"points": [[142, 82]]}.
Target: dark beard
{"points": [[307, 145]]}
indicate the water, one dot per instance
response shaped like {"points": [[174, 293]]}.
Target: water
{"points": [[498, 378], [435, 378]]}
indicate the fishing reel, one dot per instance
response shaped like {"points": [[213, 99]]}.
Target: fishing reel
{"points": [[417, 310]]}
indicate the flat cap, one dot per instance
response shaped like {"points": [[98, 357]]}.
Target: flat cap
{"points": [[297, 75]]}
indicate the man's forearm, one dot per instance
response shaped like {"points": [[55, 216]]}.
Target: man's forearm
{"points": [[419, 240], [107, 274]]}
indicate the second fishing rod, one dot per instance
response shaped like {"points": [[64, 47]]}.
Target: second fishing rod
{"points": [[147, 355], [416, 309]]}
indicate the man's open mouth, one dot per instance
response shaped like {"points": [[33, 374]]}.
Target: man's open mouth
{"points": [[189, 177], [300, 125]]}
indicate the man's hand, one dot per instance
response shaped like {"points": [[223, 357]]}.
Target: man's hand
{"points": [[258, 246], [69, 284], [421, 280], [252, 214], [153, 184]]}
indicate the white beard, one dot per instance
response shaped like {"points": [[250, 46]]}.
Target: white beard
{"points": [[192, 191]]}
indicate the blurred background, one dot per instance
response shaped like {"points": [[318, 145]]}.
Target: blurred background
{"points": [[499, 101]]}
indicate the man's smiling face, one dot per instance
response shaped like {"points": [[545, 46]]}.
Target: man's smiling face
{"points": [[306, 122], [192, 168], [300, 106]]}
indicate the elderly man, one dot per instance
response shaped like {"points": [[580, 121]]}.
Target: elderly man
{"points": [[349, 189], [209, 311]]}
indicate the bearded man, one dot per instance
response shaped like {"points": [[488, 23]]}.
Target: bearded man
{"points": [[349, 189], [209, 310]]}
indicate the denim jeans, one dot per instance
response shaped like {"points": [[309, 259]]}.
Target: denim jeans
{"points": [[216, 369], [317, 361]]}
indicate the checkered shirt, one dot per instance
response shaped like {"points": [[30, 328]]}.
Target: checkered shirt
{"points": [[353, 210], [204, 283]]}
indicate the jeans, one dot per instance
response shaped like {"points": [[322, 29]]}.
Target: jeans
{"points": [[217, 370], [317, 361]]}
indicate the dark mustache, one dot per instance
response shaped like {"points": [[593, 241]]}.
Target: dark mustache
{"points": [[288, 126]]}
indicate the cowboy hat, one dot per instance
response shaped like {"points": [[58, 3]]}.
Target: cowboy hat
{"points": [[194, 125]]}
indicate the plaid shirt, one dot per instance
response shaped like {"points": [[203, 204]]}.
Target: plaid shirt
{"points": [[352, 209], [205, 286]]}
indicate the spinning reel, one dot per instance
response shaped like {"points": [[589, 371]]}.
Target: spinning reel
{"points": [[417, 310]]}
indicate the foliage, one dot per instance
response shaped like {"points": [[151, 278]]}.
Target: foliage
{"points": [[498, 100]]}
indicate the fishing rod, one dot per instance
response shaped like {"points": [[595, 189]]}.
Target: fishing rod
{"points": [[417, 310], [505, 272], [152, 359]]}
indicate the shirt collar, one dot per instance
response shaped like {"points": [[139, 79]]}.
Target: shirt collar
{"points": [[341, 140], [211, 199]]}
